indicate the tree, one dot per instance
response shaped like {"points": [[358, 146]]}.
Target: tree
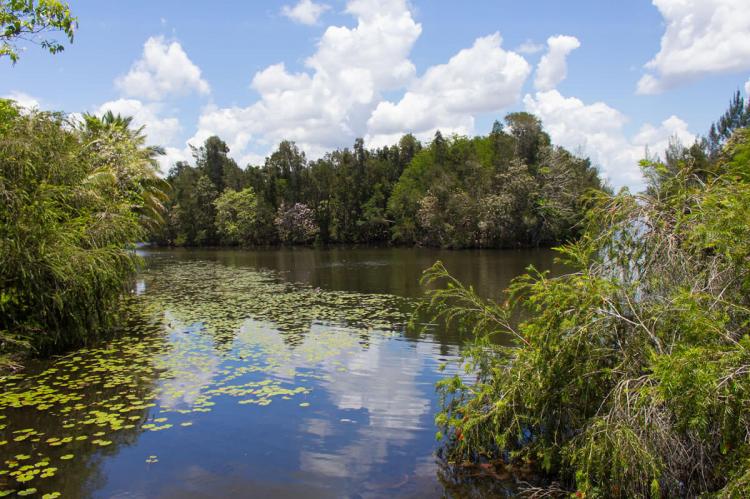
{"points": [[457, 192], [296, 224], [529, 135], [200, 212], [283, 170], [73, 207], [240, 218], [408, 147], [438, 147], [212, 158], [497, 128], [123, 149], [628, 376], [33, 21], [736, 116]]}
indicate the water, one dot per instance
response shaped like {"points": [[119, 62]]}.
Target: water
{"points": [[281, 373]]}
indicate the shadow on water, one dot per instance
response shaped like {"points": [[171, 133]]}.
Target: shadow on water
{"points": [[252, 373]]}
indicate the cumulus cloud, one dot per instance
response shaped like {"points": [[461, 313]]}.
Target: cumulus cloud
{"points": [[305, 11], [328, 104], [164, 70], [338, 96], [597, 130], [701, 37], [553, 68], [747, 87], [482, 78], [159, 130], [23, 99]]}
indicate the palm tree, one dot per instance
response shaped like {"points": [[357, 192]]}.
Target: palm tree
{"points": [[140, 177]]}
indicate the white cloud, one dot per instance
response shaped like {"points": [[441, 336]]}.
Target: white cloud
{"points": [[327, 105], [656, 138], [478, 79], [23, 99], [159, 130], [305, 12], [596, 130], [529, 47], [172, 155], [747, 88], [164, 70], [552, 68], [701, 37], [378, 48]]}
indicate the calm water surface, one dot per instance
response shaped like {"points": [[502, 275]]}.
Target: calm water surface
{"points": [[277, 373]]}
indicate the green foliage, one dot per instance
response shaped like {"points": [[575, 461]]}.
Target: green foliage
{"points": [[735, 117], [504, 190], [239, 218], [74, 199], [28, 20], [8, 112], [630, 376]]}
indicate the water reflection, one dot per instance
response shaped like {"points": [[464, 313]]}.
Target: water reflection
{"points": [[236, 380], [393, 271], [382, 435]]}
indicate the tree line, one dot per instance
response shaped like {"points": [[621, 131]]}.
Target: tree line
{"points": [[510, 188]]}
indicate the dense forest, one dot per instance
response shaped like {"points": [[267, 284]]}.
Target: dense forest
{"points": [[511, 188], [631, 376]]}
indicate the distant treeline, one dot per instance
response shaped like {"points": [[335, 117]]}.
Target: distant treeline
{"points": [[511, 188]]}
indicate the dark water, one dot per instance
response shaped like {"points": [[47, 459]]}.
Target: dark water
{"points": [[281, 373]]}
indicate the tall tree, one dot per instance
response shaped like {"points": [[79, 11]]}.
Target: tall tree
{"points": [[212, 158], [122, 149], [530, 137], [736, 116]]}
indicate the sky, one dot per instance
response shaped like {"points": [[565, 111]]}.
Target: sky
{"points": [[609, 79]]}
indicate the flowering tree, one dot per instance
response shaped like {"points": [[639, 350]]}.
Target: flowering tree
{"points": [[296, 224]]}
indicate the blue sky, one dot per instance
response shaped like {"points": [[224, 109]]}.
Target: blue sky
{"points": [[378, 69]]}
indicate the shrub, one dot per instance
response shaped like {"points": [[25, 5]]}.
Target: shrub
{"points": [[74, 199], [630, 376]]}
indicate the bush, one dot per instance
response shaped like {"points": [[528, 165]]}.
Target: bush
{"points": [[631, 375], [74, 200]]}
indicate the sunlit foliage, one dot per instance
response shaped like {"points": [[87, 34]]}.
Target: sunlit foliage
{"points": [[507, 189], [74, 200], [239, 218], [33, 21], [630, 376]]}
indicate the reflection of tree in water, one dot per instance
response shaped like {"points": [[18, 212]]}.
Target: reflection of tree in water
{"points": [[206, 331], [63, 422], [494, 479], [220, 298]]}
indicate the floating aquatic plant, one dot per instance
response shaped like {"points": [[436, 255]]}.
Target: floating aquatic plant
{"points": [[201, 332]]}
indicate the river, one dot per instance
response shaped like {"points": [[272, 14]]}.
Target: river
{"points": [[269, 373]]}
